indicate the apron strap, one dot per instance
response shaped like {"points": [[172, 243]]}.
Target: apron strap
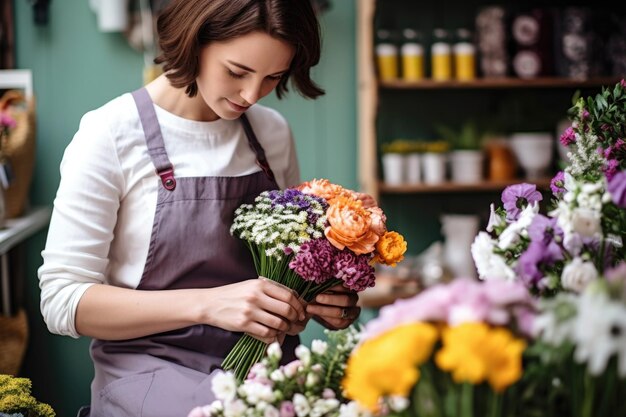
{"points": [[256, 147], [154, 139]]}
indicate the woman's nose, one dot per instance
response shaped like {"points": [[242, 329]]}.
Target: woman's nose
{"points": [[251, 93]]}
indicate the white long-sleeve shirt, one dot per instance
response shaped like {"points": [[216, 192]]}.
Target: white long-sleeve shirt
{"points": [[104, 208]]}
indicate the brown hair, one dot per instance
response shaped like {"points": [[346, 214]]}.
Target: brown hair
{"points": [[185, 26]]}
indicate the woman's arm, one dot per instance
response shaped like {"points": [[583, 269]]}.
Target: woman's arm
{"points": [[255, 306]]}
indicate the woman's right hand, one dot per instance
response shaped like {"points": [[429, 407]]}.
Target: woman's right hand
{"points": [[259, 307]]}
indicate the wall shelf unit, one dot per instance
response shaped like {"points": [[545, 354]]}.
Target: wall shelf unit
{"points": [[412, 110], [495, 83]]}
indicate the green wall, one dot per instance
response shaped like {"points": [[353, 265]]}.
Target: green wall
{"points": [[76, 68]]}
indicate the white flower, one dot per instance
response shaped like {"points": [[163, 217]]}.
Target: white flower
{"points": [[224, 386], [274, 351], [304, 354], [494, 219], [254, 392], [600, 333], [398, 403], [277, 375], [235, 408], [578, 274], [301, 405], [488, 264], [311, 380], [511, 235], [586, 222], [555, 325], [319, 347], [271, 411], [322, 407], [353, 409]]}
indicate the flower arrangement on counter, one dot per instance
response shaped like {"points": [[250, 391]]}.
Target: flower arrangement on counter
{"points": [[307, 386], [311, 238], [453, 350]]}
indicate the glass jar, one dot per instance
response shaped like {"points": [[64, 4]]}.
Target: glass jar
{"points": [[464, 56], [386, 56], [441, 56], [412, 53]]}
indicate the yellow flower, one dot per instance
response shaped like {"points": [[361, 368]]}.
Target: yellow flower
{"points": [[390, 248], [387, 364], [461, 353], [506, 359], [475, 352]]}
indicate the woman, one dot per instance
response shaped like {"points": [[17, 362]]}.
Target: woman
{"points": [[139, 255]]}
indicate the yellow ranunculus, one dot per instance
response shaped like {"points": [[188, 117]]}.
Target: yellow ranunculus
{"points": [[505, 366], [390, 248], [461, 353], [475, 352], [387, 364]]}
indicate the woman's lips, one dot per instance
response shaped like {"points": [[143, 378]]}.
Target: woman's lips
{"points": [[237, 107]]}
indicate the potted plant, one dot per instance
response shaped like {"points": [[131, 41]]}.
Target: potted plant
{"points": [[394, 161], [434, 160], [466, 158]]}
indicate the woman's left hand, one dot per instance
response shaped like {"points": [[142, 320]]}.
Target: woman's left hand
{"points": [[335, 308]]}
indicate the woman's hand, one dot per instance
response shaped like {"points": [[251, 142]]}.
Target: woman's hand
{"points": [[335, 308], [259, 307]]}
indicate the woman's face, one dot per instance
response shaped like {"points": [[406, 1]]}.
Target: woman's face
{"points": [[235, 74]]}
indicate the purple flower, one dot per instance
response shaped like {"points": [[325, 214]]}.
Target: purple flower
{"points": [[623, 83], [354, 270], [568, 137], [617, 189], [528, 265], [545, 231], [610, 169], [517, 197], [557, 184], [315, 261], [295, 198]]}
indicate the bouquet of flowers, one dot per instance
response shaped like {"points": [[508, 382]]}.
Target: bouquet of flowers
{"points": [[310, 238], [453, 350], [307, 386], [583, 233]]}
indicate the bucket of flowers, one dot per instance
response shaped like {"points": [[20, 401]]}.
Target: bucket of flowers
{"points": [[454, 350], [311, 238], [572, 258]]}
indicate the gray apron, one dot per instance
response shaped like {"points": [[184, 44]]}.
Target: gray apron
{"points": [[170, 373]]}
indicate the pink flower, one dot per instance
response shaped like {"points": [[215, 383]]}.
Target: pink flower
{"points": [[287, 409]]}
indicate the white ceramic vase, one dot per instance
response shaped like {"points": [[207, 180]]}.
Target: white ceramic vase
{"points": [[466, 166]]}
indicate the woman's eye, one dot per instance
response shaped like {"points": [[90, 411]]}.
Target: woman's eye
{"points": [[235, 75], [275, 77]]}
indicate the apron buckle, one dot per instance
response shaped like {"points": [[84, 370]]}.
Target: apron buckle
{"points": [[167, 178]]}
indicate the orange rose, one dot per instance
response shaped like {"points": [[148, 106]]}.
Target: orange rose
{"points": [[350, 226], [323, 188], [390, 248], [368, 200]]}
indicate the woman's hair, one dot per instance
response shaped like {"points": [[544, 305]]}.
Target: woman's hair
{"points": [[185, 26]]}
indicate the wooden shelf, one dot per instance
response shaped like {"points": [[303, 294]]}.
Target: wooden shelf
{"points": [[450, 187], [504, 83]]}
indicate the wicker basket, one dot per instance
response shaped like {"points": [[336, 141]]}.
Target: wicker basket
{"points": [[13, 342], [19, 150]]}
